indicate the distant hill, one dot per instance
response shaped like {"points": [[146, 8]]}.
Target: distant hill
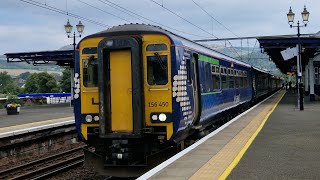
{"points": [[24, 67]]}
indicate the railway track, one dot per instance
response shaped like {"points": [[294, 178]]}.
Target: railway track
{"points": [[46, 167]]}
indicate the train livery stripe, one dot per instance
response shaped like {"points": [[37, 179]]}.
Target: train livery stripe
{"points": [[208, 59]]}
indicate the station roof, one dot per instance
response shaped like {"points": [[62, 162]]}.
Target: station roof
{"points": [[273, 45], [57, 57]]}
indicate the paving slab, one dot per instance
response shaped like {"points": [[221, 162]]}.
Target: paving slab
{"points": [[288, 146]]}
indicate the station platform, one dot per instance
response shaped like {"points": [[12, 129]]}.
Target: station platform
{"points": [[33, 118], [272, 140]]}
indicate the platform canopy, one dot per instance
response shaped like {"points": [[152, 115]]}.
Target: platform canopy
{"points": [[57, 57], [273, 45]]}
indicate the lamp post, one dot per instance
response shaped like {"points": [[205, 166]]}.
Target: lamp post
{"points": [[305, 17], [68, 28]]}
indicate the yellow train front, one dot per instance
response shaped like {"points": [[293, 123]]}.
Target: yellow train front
{"points": [[122, 81]]}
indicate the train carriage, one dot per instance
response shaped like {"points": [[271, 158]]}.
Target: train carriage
{"points": [[140, 89]]}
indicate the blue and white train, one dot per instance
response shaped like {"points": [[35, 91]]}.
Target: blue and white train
{"points": [[140, 89]]}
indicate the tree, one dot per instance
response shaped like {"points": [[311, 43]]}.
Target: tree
{"points": [[47, 83], [32, 85], [8, 85], [65, 82], [41, 83], [24, 75]]}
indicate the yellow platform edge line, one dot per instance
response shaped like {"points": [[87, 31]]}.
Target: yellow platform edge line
{"points": [[237, 159]]}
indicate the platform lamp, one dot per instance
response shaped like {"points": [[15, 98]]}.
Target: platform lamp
{"points": [[305, 17], [68, 27]]}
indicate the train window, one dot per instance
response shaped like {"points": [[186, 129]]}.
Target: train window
{"points": [[224, 83], [216, 81], [237, 82], [90, 72], [90, 50], [231, 81], [213, 69], [245, 82], [208, 76], [157, 69], [188, 71], [229, 71], [156, 47], [241, 81]]}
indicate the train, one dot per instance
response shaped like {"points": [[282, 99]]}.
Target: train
{"points": [[140, 89]]}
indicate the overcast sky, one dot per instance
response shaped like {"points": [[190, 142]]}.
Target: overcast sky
{"points": [[25, 27]]}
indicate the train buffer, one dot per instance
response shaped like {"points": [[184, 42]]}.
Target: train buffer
{"points": [[272, 140]]}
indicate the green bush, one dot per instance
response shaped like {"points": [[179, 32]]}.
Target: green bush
{"points": [[14, 99]]}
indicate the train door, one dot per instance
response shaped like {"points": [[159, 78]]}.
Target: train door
{"points": [[121, 91], [196, 88]]}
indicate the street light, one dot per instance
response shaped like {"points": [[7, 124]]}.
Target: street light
{"points": [[68, 27], [305, 18]]}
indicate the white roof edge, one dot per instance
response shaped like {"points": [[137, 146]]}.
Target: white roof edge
{"points": [[258, 69]]}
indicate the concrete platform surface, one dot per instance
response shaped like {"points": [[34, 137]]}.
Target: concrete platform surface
{"points": [[288, 146], [210, 158], [31, 114]]}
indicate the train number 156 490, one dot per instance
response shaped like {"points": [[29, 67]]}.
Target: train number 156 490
{"points": [[158, 104]]}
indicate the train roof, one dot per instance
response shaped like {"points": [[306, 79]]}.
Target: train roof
{"points": [[128, 29]]}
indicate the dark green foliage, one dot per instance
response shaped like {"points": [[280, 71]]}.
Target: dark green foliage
{"points": [[24, 75], [32, 85], [8, 85], [14, 99], [41, 83], [65, 80]]}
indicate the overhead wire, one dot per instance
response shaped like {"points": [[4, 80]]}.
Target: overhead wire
{"points": [[184, 19], [214, 18], [192, 24], [57, 10], [142, 18], [102, 10]]}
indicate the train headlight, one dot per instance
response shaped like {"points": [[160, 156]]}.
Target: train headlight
{"points": [[154, 117], [162, 117], [96, 118], [89, 118]]}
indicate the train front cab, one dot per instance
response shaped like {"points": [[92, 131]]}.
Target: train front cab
{"points": [[130, 104]]}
